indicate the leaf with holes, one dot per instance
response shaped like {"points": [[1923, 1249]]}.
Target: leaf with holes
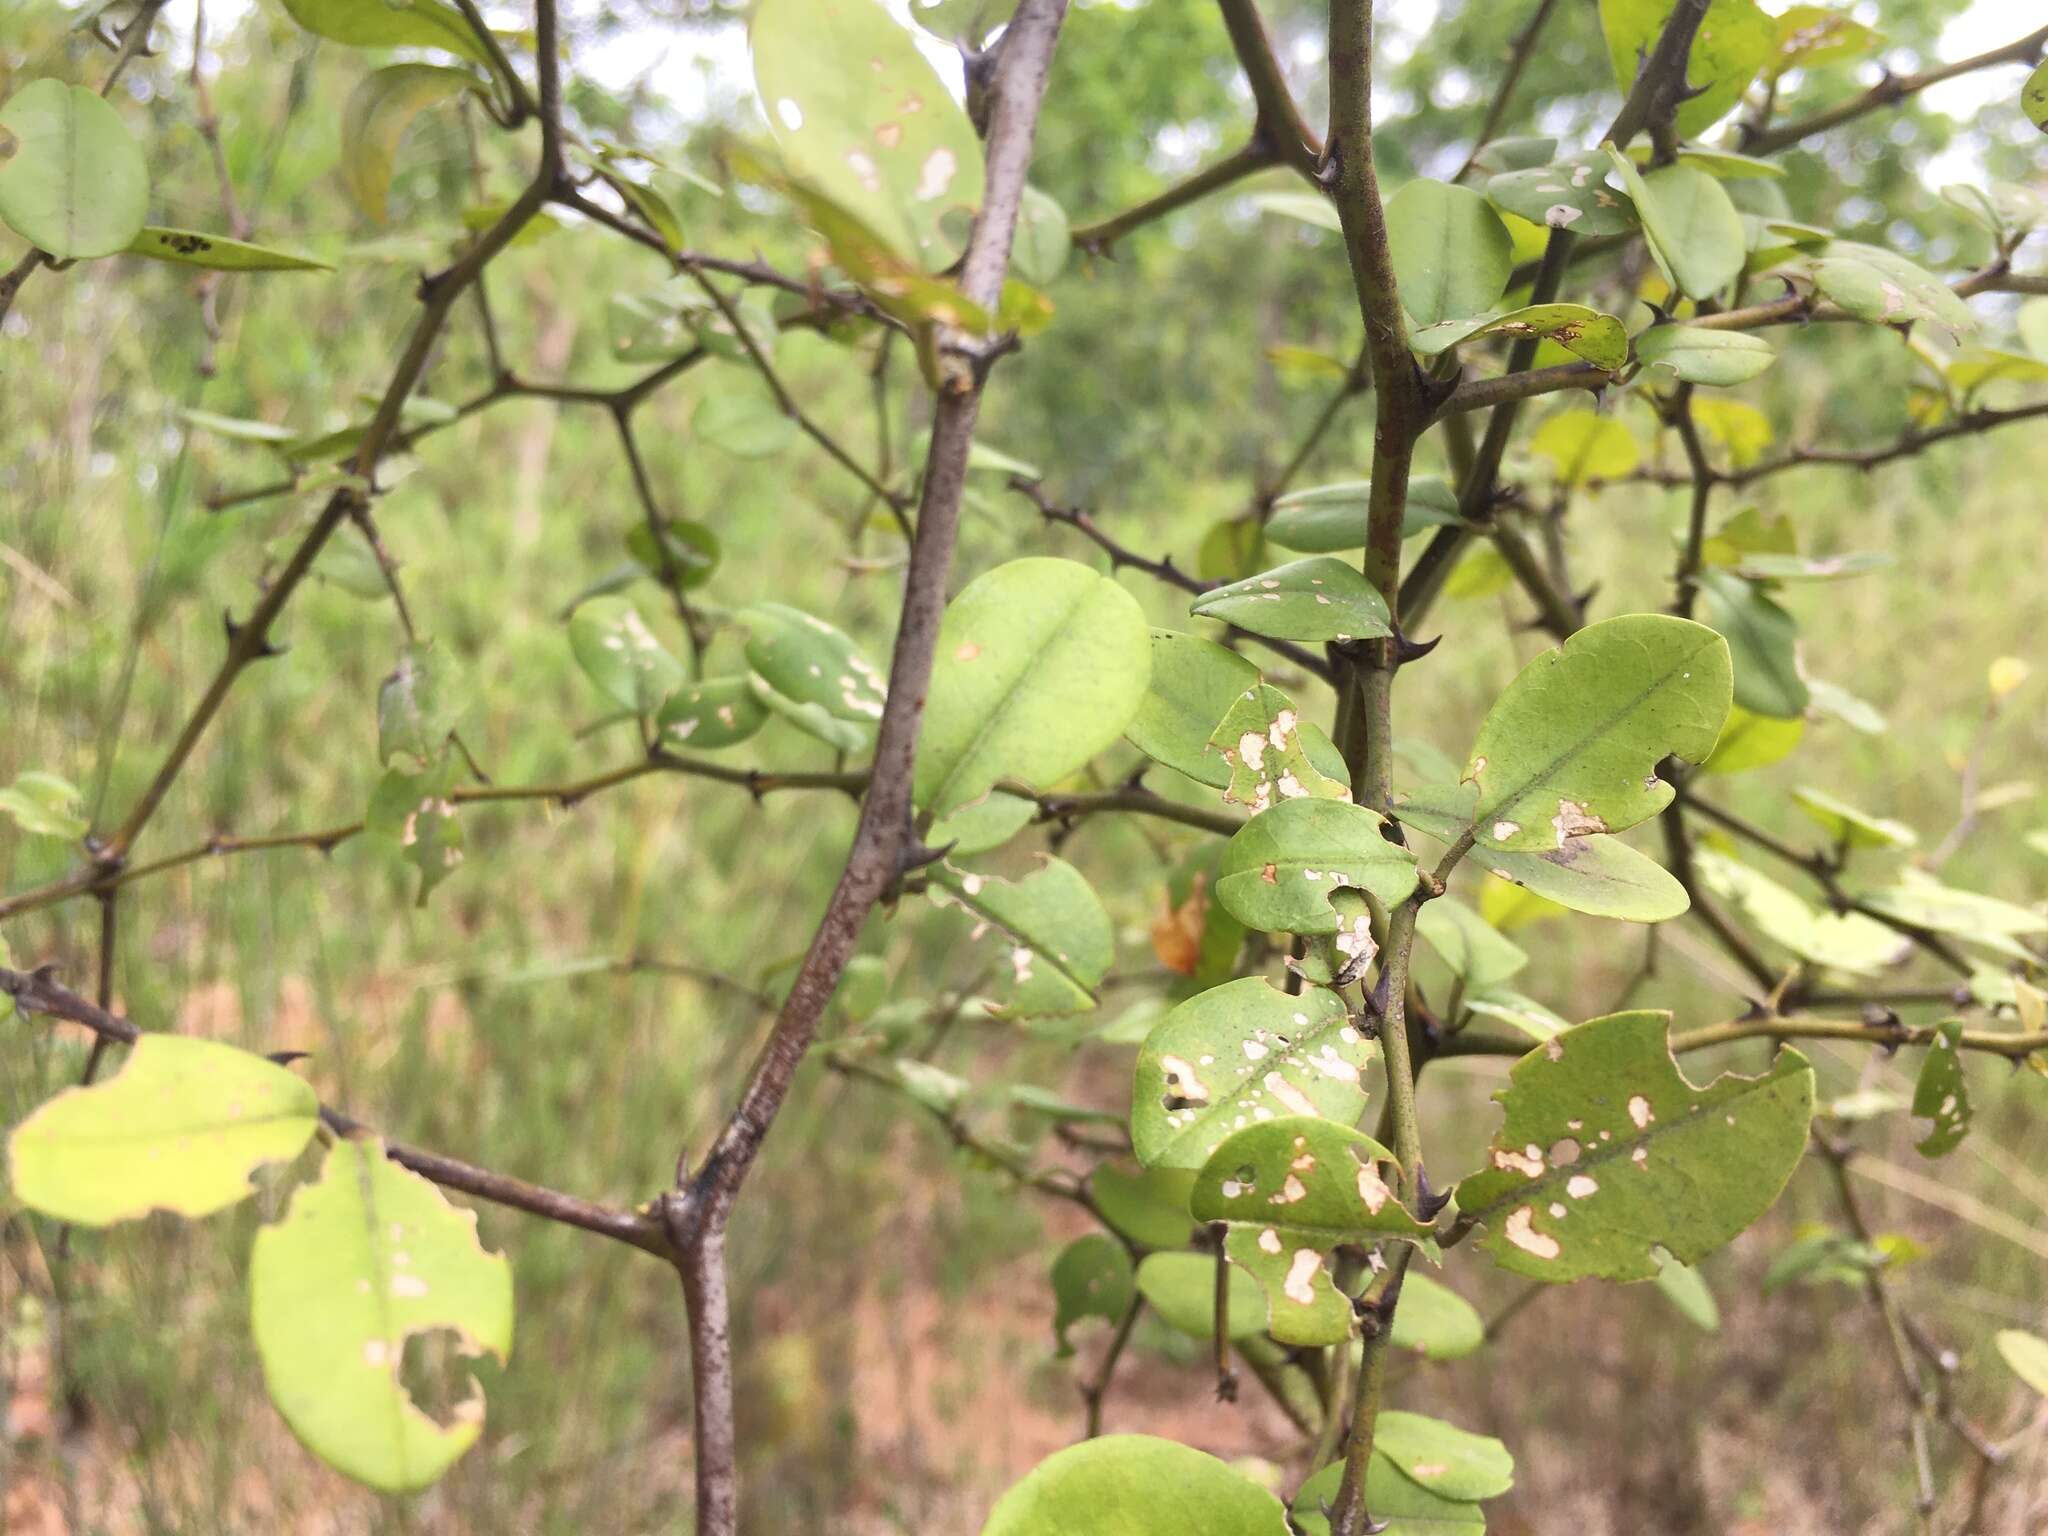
{"points": [[1435, 1321], [419, 706], [1193, 684], [1572, 746], [988, 823], [622, 656], [1606, 1153], [886, 140], [1225, 1057], [1601, 876], [412, 812], [1288, 1192], [1391, 1496], [370, 1256], [1451, 253], [1695, 355], [190, 248], [182, 1127], [1280, 869], [72, 179], [1040, 665], [1572, 194], [1320, 598], [1450, 1462], [1328, 519], [845, 737], [374, 121], [718, 712], [1092, 1277], [1763, 640], [1692, 229], [1850, 827], [1265, 746], [1055, 935], [1135, 1485], [1941, 1093], [389, 24], [807, 661], [1583, 332], [1734, 41]]}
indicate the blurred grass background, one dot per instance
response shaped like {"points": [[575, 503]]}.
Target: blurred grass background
{"points": [[894, 1322]]}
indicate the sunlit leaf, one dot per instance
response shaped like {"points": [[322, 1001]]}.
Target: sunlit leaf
{"points": [[190, 248], [181, 1127], [42, 805], [1849, 827], [2026, 1353], [389, 24], [1585, 445], [370, 1256]]}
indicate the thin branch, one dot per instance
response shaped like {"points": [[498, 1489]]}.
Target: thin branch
{"points": [[1280, 123], [1098, 239], [1519, 53], [37, 992]]}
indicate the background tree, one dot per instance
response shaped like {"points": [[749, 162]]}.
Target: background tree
{"points": [[1592, 373]]}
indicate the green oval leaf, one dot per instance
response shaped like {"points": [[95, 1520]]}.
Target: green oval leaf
{"points": [[1450, 1462], [2034, 97], [389, 24], [718, 712], [1280, 869], [366, 1258], [1572, 194], [1571, 747], [1288, 1191], [1181, 1288], [75, 183], [1849, 827], [1192, 686], [1842, 941], [1092, 1277], [1697, 356], [1224, 1056], [1606, 1152], [181, 1127], [1763, 640], [1451, 253], [620, 654], [1316, 599], [1056, 938], [43, 805], [1149, 1205], [1885, 288], [374, 121], [745, 421], [859, 112], [1135, 1485], [807, 661], [1327, 519], [1690, 225], [1435, 1321], [1041, 664]]}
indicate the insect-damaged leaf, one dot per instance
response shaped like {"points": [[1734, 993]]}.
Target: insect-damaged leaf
{"points": [[1450, 1462], [364, 1259], [1408, 1508], [1040, 665], [1194, 683], [1941, 1094], [1435, 1320], [418, 706], [1884, 288], [1320, 598], [1451, 253], [1236, 1054], [1587, 333], [1571, 747], [718, 712], [1689, 223], [73, 181], [180, 1128], [859, 112], [1135, 1485], [619, 653], [414, 813], [1606, 1153], [1055, 936], [190, 248], [1091, 1278], [1572, 194], [1289, 1191], [1280, 869], [807, 661], [1601, 876], [1267, 750]]}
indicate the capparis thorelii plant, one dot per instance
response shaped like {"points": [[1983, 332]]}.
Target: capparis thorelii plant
{"points": [[1272, 1188]]}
